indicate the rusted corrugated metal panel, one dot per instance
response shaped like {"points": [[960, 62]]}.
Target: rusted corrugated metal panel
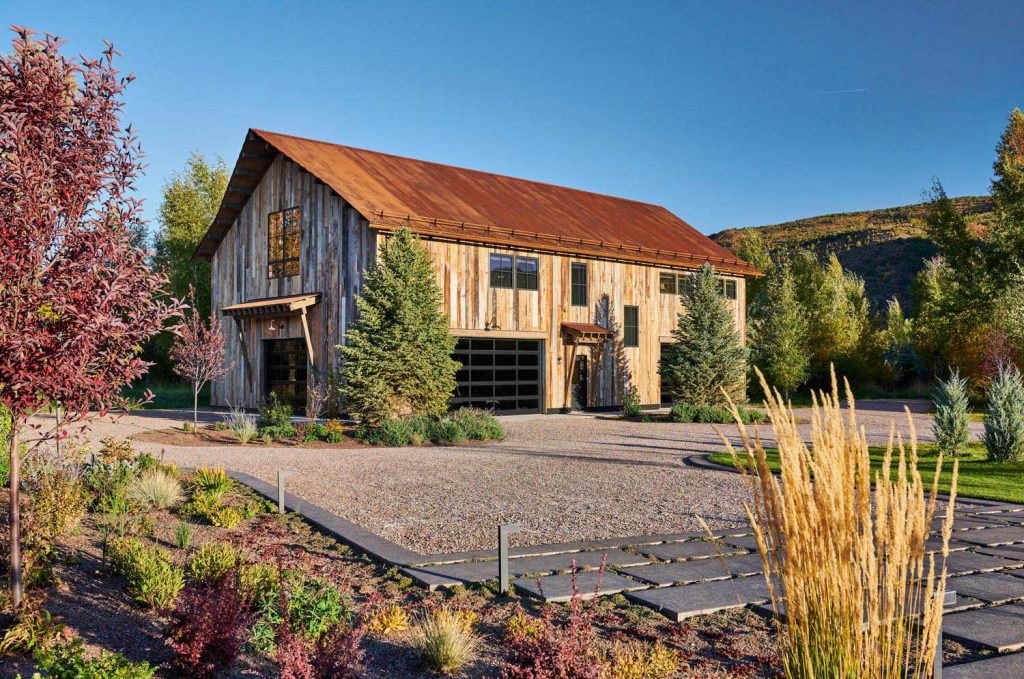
{"points": [[474, 206]]}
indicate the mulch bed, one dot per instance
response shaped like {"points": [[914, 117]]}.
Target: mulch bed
{"points": [[93, 604]]}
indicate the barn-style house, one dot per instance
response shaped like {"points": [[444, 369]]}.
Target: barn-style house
{"points": [[559, 298]]}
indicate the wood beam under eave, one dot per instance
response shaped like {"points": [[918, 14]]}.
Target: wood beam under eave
{"points": [[309, 340]]}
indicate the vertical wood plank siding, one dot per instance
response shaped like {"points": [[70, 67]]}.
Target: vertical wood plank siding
{"points": [[337, 245], [337, 248]]}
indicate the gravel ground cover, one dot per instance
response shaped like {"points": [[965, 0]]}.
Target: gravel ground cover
{"points": [[563, 477]]}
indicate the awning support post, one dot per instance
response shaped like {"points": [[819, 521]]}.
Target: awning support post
{"points": [[247, 369]]}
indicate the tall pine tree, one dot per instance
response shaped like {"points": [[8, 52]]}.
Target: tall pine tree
{"points": [[779, 335], [706, 357], [397, 359]]}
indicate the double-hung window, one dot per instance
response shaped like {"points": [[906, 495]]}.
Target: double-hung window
{"points": [[578, 283], [728, 288], [513, 271], [284, 236], [667, 283], [631, 326]]}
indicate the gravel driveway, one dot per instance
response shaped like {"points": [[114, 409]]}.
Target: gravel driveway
{"points": [[563, 477]]}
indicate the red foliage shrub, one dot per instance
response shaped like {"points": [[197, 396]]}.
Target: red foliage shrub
{"points": [[554, 650], [336, 655], [210, 623]]}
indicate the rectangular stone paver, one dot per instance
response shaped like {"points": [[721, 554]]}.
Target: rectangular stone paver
{"points": [[1014, 552], [662, 574], [1000, 628], [744, 542], [973, 562], [684, 601], [694, 549], [1000, 667], [560, 587], [989, 587], [450, 575], [992, 536], [934, 544]]}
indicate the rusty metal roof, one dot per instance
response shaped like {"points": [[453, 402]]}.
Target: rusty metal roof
{"points": [[442, 201]]}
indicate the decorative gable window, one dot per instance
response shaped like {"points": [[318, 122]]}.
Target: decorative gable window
{"points": [[578, 284], [284, 237]]}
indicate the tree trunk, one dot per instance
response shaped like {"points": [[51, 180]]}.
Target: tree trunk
{"points": [[195, 408], [15, 516]]}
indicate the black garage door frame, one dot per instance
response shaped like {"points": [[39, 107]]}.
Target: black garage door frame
{"points": [[496, 374]]}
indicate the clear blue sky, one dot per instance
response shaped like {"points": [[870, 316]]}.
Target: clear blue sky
{"points": [[727, 113]]}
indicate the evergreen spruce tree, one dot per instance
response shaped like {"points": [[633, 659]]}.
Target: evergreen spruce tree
{"points": [[397, 360], [952, 417], [706, 356], [1004, 416], [779, 334]]}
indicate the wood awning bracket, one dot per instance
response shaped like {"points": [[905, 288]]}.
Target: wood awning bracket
{"points": [[309, 339], [245, 352]]}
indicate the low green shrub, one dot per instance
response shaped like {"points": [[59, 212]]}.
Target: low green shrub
{"points": [[212, 480], [392, 433], [253, 508], [225, 517], [279, 432], [446, 431], [335, 431], [478, 424], [314, 605], [68, 661], [273, 413], [631, 402], [685, 413], [213, 560], [152, 579], [58, 498], [260, 583], [200, 506], [32, 630], [113, 451], [108, 484]]}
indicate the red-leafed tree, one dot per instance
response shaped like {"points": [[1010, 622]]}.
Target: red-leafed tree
{"points": [[198, 352], [77, 298]]}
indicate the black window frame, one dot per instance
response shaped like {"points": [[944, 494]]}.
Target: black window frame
{"points": [[512, 277], [667, 277], [526, 279], [630, 330], [502, 277], [283, 266], [579, 294]]}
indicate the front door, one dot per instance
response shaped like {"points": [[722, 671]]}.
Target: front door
{"points": [[285, 371], [579, 383]]}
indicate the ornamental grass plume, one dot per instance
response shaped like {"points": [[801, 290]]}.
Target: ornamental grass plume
{"points": [[862, 597]]}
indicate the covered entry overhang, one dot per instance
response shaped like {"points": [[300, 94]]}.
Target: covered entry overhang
{"points": [[272, 307], [574, 336]]}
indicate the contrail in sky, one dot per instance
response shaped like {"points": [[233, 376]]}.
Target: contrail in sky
{"points": [[855, 90]]}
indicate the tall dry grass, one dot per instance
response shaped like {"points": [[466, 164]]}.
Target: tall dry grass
{"points": [[847, 560]]}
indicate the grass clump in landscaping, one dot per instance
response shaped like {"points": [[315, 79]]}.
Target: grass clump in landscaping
{"points": [[640, 660], [445, 642], [839, 550], [242, 424], [213, 560], [156, 488], [688, 413]]}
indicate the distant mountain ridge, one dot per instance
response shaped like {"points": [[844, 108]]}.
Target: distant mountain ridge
{"points": [[885, 247]]}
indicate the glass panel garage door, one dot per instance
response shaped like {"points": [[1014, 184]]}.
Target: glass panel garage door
{"points": [[499, 374]]}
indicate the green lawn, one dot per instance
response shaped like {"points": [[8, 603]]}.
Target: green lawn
{"points": [[168, 395], [979, 477]]}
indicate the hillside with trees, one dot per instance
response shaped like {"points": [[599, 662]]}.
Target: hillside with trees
{"points": [[887, 248]]}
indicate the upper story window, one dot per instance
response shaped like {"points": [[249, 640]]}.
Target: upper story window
{"points": [[284, 236], [631, 326], [514, 271], [728, 288], [667, 283], [578, 283]]}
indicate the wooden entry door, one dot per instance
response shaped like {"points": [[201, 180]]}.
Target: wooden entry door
{"points": [[579, 383], [285, 369]]}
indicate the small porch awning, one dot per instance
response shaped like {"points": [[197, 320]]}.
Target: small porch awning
{"points": [[585, 333], [272, 306]]}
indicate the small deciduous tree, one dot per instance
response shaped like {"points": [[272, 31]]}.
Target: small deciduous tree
{"points": [[779, 334], [706, 359], [1004, 416], [77, 297], [198, 352], [397, 359], [952, 415]]}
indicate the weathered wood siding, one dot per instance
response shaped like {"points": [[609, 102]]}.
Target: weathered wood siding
{"points": [[337, 247], [477, 309]]}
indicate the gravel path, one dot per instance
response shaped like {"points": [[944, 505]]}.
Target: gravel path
{"points": [[563, 477]]}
